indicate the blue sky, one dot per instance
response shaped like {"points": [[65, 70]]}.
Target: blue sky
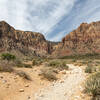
{"points": [[53, 18]]}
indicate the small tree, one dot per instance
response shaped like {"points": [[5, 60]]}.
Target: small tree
{"points": [[8, 56]]}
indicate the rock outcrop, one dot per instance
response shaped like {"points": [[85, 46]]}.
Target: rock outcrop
{"points": [[85, 39], [25, 42]]}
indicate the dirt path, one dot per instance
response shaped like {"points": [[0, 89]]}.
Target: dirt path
{"points": [[68, 88]]}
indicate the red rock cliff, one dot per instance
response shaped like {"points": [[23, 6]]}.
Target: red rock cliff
{"points": [[85, 39], [22, 41]]}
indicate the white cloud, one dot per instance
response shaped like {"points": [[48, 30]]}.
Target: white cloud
{"points": [[35, 15], [58, 37], [45, 15], [84, 12], [46, 21]]}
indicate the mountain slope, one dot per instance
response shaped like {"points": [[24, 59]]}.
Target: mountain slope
{"points": [[85, 39], [25, 42]]}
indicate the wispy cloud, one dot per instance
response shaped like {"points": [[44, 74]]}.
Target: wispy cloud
{"points": [[83, 11], [53, 18], [39, 15], [58, 37]]}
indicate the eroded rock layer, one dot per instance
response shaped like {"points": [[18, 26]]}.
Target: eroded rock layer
{"points": [[85, 39], [28, 43]]}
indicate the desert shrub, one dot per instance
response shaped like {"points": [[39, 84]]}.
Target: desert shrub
{"points": [[9, 67], [53, 63], [8, 56], [85, 56], [34, 62], [58, 64], [91, 68], [19, 64], [37, 61], [23, 75], [74, 60], [84, 62], [88, 69], [27, 65], [48, 74], [93, 85], [63, 65], [6, 67]]}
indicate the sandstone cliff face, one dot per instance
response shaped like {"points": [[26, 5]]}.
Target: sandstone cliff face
{"points": [[85, 39], [28, 43]]}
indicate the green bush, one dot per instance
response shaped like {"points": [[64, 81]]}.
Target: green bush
{"points": [[93, 85], [8, 56]]}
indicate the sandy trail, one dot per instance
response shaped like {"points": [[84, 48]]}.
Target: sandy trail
{"points": [[66, 88]]}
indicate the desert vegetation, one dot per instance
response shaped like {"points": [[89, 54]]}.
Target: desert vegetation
{"points": [[92, 86], [48, 74], [52, 67], [37, 61], [23, 75], [20, 64], [8, 56], [6, 67], [61, 65], [9, 62], [85, 56]]}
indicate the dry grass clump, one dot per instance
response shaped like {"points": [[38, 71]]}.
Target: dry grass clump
{"points": [[23, 75], [48, 74], [37, 61], [91, 68], [92, 86], [6, 66], [61, 65], [20, 64]]}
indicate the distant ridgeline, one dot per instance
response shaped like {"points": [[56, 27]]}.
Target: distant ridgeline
{"points": [[25, 42], [84, 40]]}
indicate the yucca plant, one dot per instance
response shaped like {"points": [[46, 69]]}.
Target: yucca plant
{"points": [[93, 85], [88, 69]]}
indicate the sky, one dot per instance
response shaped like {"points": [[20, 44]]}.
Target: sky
{"points": [[53, 18]]}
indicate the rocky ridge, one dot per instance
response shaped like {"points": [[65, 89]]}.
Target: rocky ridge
{"points": [[84, 40], [28, 43]]}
